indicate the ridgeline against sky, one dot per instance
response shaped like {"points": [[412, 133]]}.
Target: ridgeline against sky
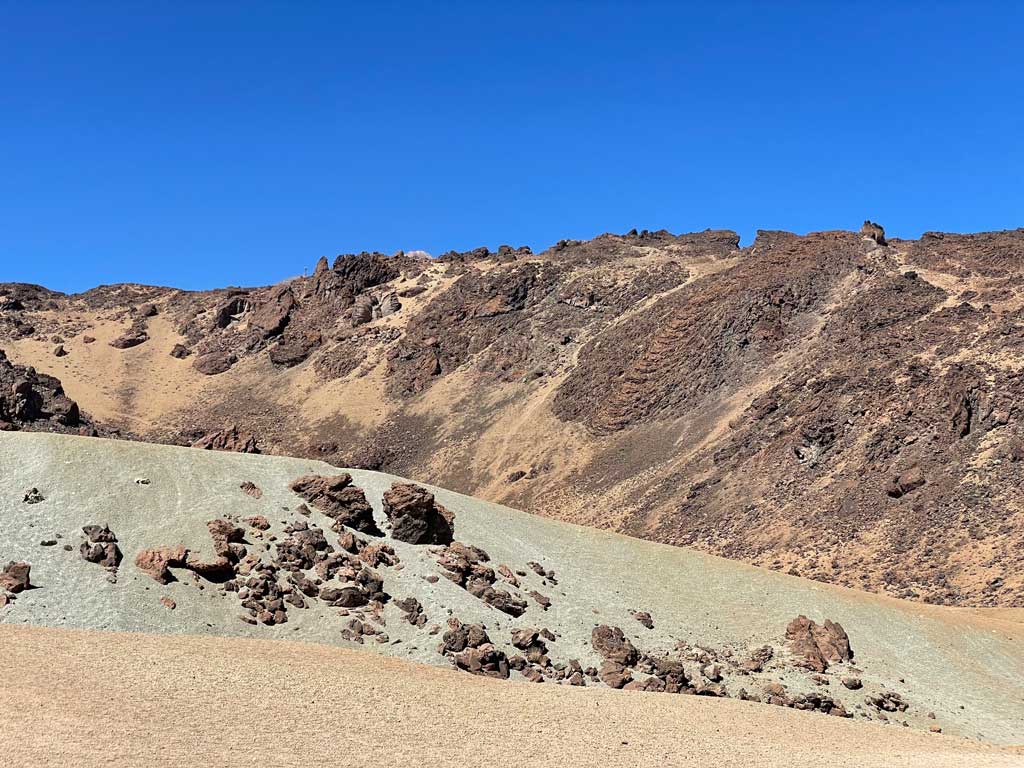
{"points": [[199, 146]]}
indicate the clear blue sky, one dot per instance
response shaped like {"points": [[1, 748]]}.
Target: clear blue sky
{"points": [[204, 144]]}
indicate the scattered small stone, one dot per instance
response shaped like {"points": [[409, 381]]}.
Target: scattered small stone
{"points": [[33, 496], [251, 489], [644, 618]]}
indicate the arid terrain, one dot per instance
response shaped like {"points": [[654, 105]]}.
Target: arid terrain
{"points": [[119, 536], [187, 698], [836, 406]]}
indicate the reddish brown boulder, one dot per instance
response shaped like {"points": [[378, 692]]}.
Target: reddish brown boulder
{"points": [[613, 674], [259, 522], [213, 363], [156, 562], [14, 577], [180, 351], [250, 488], [101, 547], [485, 660], [416, 517], [131, 338], [345, 597], [59, 351], [461, 636], [88, 339], [377, 554], [613, 645], [168, 603], [337, 498], [272, 313], [219, 569], [905, 482], [542, 600], [818, 645]]}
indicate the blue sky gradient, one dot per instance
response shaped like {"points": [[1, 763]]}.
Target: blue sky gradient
{"points": [[207, 144]]}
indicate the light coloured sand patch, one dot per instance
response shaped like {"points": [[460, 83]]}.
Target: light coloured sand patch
{"points": [[82, 698]]}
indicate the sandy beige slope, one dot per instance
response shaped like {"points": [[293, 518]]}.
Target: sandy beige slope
{"points": [[98, 699]]}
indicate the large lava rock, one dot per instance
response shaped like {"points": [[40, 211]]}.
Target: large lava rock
{"points": [[337, 498], [415, 517], [817, 644]]}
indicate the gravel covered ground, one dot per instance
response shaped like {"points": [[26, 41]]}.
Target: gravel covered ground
{"points": [[965, 666]]}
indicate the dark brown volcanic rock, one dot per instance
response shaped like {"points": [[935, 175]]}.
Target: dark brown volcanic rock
{"points": [[294, 348], [132, 337], [337, 498], [100, 547], [14, 577], [415, 517], [818, 645], [213, 363], [613, 645], [32, 400]]}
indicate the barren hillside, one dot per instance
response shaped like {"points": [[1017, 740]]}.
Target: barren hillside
{"points": [[115, 535], [836, 405]]}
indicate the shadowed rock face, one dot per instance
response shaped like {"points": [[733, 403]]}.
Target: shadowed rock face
{"points": [[841, 405], [415, 517], [29, 399]]}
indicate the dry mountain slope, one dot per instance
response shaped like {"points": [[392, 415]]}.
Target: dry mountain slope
{"points": [[835, 405], [522, 597]]}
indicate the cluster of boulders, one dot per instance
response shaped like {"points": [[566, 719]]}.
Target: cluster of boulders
{"points": [[100, 547], [471, 650], [304, 566], [412, 611], [467, 566], [776, 693]]}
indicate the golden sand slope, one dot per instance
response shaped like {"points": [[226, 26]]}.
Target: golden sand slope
{"points": [[81, 698]]}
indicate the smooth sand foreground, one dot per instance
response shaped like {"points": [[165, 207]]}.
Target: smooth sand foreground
{"points": [[86, 698]]}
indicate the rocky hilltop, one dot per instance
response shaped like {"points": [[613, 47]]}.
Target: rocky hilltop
{"points": [[840, 406]]}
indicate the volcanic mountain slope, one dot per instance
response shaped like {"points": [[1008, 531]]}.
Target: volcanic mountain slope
{"points": [[836, 405], [116, 535]]}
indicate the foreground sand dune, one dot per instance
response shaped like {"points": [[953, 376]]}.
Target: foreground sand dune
{"points": [[85, 698]]}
